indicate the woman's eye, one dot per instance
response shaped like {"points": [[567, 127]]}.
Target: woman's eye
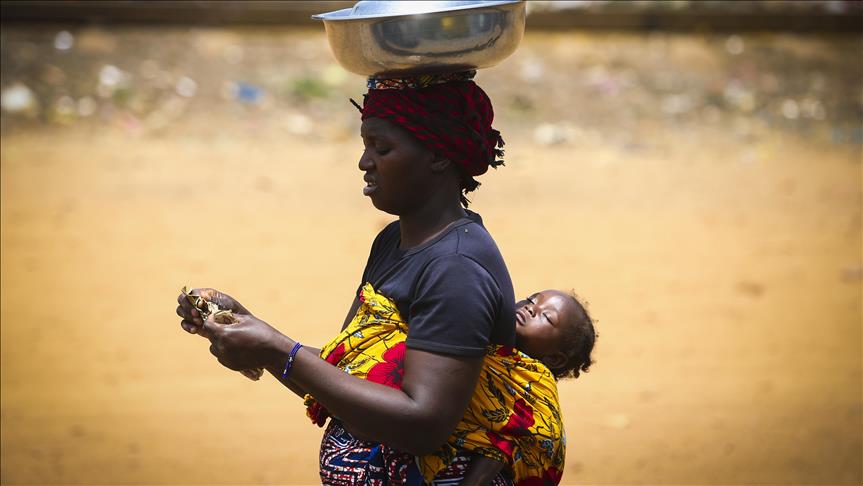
{"points": [[382, 151]]}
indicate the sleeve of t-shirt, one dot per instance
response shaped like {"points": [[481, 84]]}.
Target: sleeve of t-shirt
{"points": [[454, 307]]}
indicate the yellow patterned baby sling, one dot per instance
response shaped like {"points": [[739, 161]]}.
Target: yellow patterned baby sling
{"points": [[513, 417]]}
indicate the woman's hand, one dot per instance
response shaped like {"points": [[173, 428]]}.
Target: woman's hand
{"points": [[192, 320], [417, 419], [246, 343]]}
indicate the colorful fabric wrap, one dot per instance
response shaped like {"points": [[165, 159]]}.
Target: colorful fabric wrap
{"points": [[449, 114], [348, 461], [514, 414]]}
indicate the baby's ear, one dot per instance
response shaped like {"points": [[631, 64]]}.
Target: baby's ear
{"points": [[555, 360]]}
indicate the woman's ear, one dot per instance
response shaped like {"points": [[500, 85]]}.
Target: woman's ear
{"points": [[440, 163], [555, 360]]}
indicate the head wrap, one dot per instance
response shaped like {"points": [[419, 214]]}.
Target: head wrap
{"points": [[449, 114]]}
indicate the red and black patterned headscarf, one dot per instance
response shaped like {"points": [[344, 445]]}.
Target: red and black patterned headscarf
{"points": [[448, 114]]}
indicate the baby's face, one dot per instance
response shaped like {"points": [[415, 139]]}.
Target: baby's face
{"points": [[540, 320]]}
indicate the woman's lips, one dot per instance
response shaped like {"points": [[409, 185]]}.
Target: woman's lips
{"points": [[371, 184]]}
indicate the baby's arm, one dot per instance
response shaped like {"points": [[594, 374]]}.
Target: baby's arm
{"points": [[482, 471]]}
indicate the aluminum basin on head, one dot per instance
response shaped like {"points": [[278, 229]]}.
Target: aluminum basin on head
{"points": [[386, 39]]}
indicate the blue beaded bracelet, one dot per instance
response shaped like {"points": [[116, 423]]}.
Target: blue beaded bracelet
{"points": [[290, 362]]}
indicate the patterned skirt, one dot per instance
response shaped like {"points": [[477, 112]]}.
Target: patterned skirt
{"points": [[348, 461]]}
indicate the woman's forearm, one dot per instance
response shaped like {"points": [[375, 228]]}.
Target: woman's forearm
{"points": [[482, 471], [277, 374], [417, 419]]}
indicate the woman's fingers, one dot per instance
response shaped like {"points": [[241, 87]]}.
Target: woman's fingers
{"points": [[211, 330], [218, 351], [192, 322], [182, 300], [216, 297], [223, 300], [187, 311], [187, 306], [189, 327]]}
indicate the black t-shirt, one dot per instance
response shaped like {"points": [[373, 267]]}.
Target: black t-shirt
{"points": [[454, 291]]}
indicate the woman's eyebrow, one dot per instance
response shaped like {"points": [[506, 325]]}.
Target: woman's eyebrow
{"points": [[370, 133]]}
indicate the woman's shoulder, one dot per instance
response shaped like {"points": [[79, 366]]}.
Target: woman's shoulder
{"points": [[474, 241], [389, 233], [390, 228], [470, 242]]}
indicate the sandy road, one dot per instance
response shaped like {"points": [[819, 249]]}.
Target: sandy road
{"points": [[726, 280]]}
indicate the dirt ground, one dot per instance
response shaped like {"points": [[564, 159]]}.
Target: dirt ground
{"points": [[702, 193]]}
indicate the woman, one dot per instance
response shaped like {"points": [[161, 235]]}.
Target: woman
{"points": [[425, 139]]}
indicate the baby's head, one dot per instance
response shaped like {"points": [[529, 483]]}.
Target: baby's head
{"points": [[553, 327]]}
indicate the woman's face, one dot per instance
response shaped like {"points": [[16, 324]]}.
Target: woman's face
{"points": [[540, 320], [397, 167]]}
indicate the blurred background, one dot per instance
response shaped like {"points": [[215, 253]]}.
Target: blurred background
{"points": [[691, 169]]}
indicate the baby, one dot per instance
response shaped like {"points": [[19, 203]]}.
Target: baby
{"points": [[513, 419], [554, 328]]}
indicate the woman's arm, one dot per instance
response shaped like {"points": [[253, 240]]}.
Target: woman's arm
{"points": [[416, 419], [277, 371], [482, 471], [277, 374]]}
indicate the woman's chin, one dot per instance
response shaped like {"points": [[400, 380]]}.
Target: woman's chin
{"points": [[381, 206]]}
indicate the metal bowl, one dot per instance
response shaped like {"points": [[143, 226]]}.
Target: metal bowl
{"points": [[388, 39]]}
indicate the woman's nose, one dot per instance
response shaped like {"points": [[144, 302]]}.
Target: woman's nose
{"points": [[530, 309], [366, 162]]}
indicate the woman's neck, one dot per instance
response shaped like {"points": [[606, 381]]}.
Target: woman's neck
{"points": [[422, 226]]}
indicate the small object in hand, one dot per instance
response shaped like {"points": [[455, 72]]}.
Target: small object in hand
{"points": [[207, 308], [220, 316]]}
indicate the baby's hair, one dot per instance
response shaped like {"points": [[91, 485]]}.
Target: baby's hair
{"points": [[578, 341]]}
